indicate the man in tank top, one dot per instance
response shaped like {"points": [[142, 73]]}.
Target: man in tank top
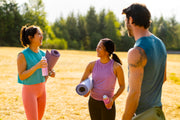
{"points": [[147, 67]]}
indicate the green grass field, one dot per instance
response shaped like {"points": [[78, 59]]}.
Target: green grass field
{"points": [[63, 103]]}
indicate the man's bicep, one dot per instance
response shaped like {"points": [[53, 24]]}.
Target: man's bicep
{"points": [[136, 75], [136, 61], [137, 57]]}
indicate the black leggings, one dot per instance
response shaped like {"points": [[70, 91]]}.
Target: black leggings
{"points": [[98, 110]]}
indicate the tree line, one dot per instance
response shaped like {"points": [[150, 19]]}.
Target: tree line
{"points": [[80, 32]]}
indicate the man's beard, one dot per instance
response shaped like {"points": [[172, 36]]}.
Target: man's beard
{"points": [[130, 33]]}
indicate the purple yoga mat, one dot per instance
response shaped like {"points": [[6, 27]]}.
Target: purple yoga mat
{"points": [[52, 58]]}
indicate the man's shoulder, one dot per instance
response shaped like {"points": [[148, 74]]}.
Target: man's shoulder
{"points": [[137, 56], [135, 52]]}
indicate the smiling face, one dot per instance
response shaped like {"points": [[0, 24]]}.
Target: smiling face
{"points": [[37, 39], [101, 51]]}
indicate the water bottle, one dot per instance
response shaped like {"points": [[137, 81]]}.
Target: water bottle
{"points": [[44, 70], [106, 100]]}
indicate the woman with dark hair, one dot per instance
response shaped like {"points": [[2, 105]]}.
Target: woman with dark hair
{"points": [[29, 64], [104, 73]]}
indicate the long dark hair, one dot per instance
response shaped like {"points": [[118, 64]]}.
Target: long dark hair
{"points": [[110, 48], [27, 31]]}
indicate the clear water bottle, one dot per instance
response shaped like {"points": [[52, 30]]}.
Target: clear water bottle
{"points": [[44, 70], [106, 100]]}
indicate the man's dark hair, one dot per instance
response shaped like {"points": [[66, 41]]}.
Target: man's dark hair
{"points": [[140, 14]]}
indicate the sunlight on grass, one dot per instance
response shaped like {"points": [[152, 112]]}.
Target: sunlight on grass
{"points": [[63, 103], [174, 78]]}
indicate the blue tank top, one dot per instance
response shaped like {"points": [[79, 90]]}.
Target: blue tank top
{"points": [[32, 59], [153, 72]]}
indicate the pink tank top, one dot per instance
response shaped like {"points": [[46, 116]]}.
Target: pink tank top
{"points": [[104, 80]]}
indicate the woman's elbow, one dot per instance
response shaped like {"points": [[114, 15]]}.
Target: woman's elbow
{"points": [[21, 77], [122, 87]]}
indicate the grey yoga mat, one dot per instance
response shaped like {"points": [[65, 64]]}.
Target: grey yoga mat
{"points": [[84, 87]]}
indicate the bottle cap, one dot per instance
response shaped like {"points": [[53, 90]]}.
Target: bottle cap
{"points": [[105, 96], [43, 58]]}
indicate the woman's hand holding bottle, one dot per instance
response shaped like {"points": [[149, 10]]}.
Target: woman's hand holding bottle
{"points": [[108, 101], [41, 64]]}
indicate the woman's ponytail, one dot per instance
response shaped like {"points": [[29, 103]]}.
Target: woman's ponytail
{"points": [[27, 31], [23, 37], [116, 58]]}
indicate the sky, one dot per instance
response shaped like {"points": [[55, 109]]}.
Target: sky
{"points": [[57, 8]]}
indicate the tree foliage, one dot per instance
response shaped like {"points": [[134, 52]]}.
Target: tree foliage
{"points": [[34, 14], [55, 44], [10, 24], [81, 32]]}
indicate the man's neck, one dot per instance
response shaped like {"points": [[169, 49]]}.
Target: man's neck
{"points": [[141, 32]]}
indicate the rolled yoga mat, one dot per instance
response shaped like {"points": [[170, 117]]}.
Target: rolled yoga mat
{"points": [[84, 87], [52, 58]]}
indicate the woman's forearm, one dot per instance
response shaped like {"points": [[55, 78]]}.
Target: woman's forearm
{"points": [[26, 74], [120, 90]]}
